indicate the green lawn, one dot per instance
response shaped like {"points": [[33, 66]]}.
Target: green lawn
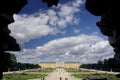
{"points": [[78, 70], [72, 70], [48, 70], [28, 74], [23, 76], [109, 76]]}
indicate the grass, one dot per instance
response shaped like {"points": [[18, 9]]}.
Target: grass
{"points": [[77, 75], [82, 70], [43, 70], [80, 75], [72, 70], [108, 76], [46, 70], [78, 70], [22, 76], [27, 75]]}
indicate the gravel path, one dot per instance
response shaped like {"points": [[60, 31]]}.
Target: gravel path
{"points": [[60, 73]]}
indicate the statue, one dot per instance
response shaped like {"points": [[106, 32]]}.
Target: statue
{"points": [[7, 43]]}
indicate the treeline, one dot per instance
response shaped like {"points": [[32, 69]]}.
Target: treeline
{"points": [[14, 65], [105, 65]]}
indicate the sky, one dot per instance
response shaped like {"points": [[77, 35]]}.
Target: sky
{"points": [[66, 32]]}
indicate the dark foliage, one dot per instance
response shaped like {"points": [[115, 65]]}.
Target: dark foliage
{"points": [[106, 65], [14, 65]]}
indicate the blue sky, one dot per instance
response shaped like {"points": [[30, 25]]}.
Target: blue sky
{"points": [[63, 33]]}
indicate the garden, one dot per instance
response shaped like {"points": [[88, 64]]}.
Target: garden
{"points": [[26, 75]]}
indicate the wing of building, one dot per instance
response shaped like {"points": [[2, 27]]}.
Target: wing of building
{"points": [[60, 65]]}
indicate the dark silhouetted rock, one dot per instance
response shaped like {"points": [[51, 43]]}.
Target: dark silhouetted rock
{"points": [[4, 60], [51, 2], [12, 6], [109, 23], [7, 43]]}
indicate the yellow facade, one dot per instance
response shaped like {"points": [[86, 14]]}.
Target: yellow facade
{"points": [[60, 65]]}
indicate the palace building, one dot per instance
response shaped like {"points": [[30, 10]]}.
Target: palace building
{"points": [[60, 65]]}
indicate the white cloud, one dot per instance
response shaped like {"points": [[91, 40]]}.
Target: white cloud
{"points": [[76, 30], [83, 48], [44, 22]]}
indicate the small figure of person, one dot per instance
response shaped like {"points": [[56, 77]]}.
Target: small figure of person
{"points": [[60, 78], [43, 78], [66, 78]]}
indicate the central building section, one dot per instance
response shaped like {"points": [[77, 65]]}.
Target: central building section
{"points": [[59, 64]]}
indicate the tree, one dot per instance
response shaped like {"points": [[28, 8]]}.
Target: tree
{"points": [[100, 64], [13, 62]]}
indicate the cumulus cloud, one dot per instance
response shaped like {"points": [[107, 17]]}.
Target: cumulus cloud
{"points": [[44, 22], [76, 30], [82, 48]]}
